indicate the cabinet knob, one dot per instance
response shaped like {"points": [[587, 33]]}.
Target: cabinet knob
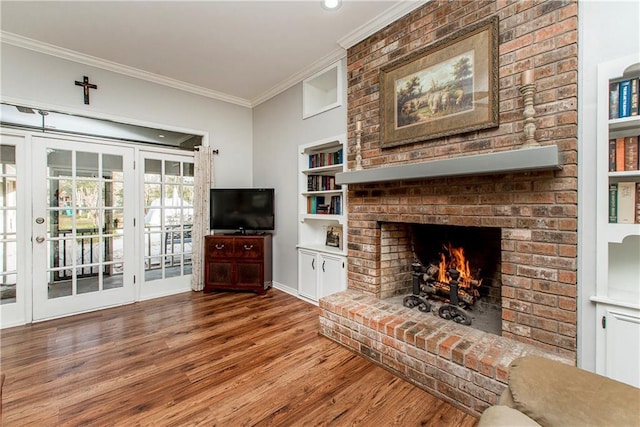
{"points": [[218, 246], [248, 247]]}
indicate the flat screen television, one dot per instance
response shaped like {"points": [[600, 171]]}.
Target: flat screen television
{"points": [[242, 209]]}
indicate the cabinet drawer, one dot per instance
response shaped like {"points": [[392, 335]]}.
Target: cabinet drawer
{"points": [[219, 247], [248, 248]]}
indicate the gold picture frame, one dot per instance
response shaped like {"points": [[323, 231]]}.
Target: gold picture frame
{"points": [[446, 88]]}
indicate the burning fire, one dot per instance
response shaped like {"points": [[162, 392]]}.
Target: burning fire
{"points": [[455, 259]]}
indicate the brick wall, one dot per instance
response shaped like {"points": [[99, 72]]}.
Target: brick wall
{"points": [[537, 211]]}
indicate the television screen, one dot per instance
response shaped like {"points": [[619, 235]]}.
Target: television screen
{"points": [[242, 209]]}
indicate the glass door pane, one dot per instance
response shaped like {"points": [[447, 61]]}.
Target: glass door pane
{"points": [[8, 224], [168, 211]]}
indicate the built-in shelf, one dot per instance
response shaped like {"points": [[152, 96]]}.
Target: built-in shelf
{"points": [[615, 302], [618, 232], [520, 160], [322, 248], [322, 91], [325, 217]]}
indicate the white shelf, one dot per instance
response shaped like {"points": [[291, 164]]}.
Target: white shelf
{"points": [[624, 124], [318, 247], [618, 232], [324, 170], [322, 217], [321, 192], [330, 145], [622, 176], [615, 302]]}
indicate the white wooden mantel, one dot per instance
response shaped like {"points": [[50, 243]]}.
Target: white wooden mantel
{"points": [[519, 160]]}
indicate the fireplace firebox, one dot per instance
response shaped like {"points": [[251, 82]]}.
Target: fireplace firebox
{"points": [[450, 271]]}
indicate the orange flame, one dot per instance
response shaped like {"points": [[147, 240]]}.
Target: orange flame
{"points": [[455, 259]]}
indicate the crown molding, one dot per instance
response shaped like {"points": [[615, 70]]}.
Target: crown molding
{"points": [[52, 50], [334, 56], [376, 24], [356, 36]]}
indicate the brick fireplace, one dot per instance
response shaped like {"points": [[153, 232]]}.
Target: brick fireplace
{"points": [[534, 211]]}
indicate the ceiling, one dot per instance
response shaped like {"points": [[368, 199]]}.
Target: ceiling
{"points": [[242, 52]]}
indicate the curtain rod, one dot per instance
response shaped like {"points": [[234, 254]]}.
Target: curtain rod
{"points": [[212, 151]]}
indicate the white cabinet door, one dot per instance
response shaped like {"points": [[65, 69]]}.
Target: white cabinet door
{"points": [[622, 332], [308, 274], [332, 274]]}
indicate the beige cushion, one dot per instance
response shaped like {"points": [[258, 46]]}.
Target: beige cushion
{"points": [[503, 416], [556, 394]]}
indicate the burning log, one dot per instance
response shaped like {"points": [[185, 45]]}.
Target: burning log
{"points": [[432, 274], [442, 291]]}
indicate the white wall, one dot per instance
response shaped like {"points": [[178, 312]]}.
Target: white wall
{"points": [[278, 129], [46, 81], [607, 30]]}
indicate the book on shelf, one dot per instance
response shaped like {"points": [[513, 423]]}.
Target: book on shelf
{"points": [[631, 153], [619, 154], [624, 154], [626, 203], [321, 183], [613, 203], [624, 101], [336, 205], [634, 97], [612, 155], [613, 100], [624, 98], [313, 202], [325, 159]]}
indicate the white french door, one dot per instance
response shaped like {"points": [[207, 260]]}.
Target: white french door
{"points": [[168, 190], [13, 271], [82, 226]]}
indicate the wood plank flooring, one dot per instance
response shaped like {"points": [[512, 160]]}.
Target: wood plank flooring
{"points": [[222, 359]]}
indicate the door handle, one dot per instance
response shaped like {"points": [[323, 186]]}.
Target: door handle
{"points": [[39, 239], [323, 266], [313, 264]]}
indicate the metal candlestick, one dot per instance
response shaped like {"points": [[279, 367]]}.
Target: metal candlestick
{"points": [[527, 91]]}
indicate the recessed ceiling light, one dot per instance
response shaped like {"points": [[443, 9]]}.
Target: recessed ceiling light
{"points": [[331, 4], [161, 136]]}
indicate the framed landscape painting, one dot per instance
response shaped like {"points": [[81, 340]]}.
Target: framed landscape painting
{"points": [[446, 88]]}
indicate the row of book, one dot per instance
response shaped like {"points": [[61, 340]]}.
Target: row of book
{"points": [[317, 205], [321, 183], [623, 98], [623, 202], [325, 159], [623, 154]]}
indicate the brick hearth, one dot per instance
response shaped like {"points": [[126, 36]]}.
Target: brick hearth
{"points": [[462, 365], [535, 211]]}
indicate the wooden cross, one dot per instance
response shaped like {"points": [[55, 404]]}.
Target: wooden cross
{"points": [[85, 83]]}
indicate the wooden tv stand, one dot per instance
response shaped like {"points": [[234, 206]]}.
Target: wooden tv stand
{"points": [[238, 262]]}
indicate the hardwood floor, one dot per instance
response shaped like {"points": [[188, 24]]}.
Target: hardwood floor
{"points": [[222, 359]]}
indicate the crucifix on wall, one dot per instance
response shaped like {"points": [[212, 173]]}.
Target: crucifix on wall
{"points": [[86, 85]]}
